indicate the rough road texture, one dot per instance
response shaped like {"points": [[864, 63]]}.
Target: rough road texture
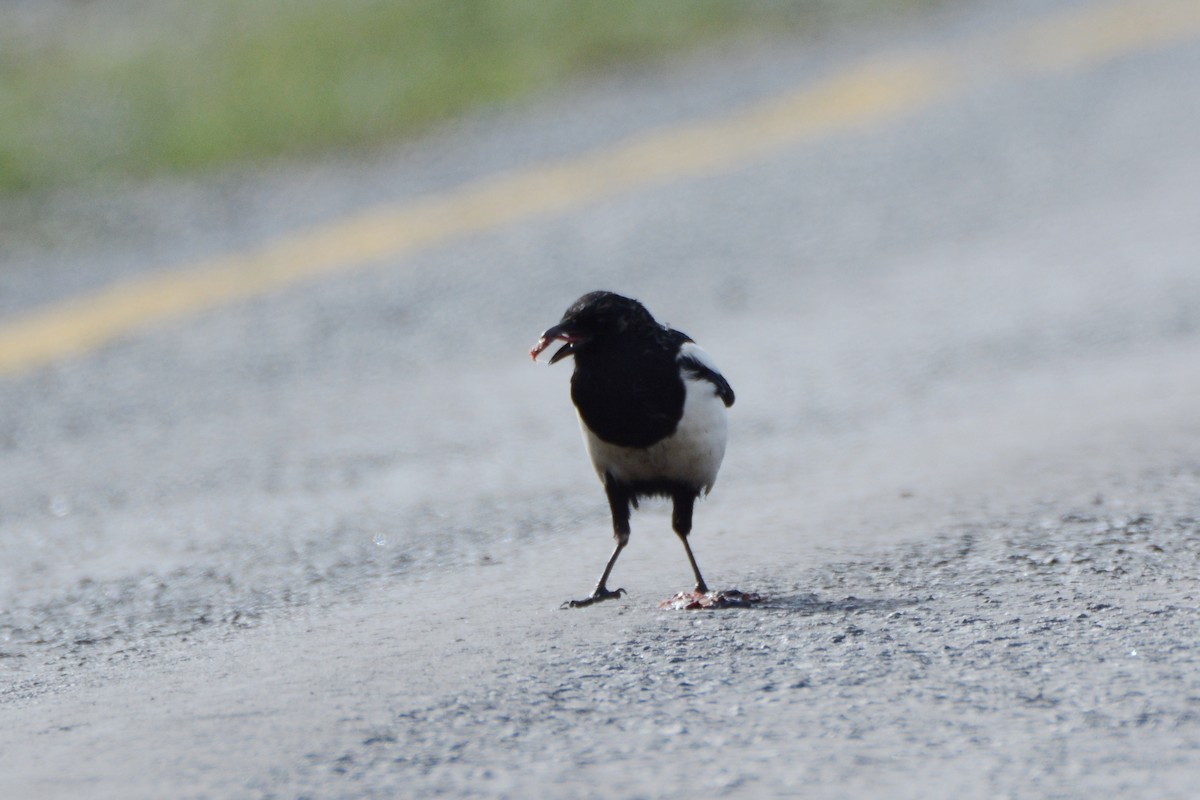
{"points": [[1058, 652], [314, 544]]}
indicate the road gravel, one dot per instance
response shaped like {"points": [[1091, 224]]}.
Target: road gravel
{"points": [[313, 544]]}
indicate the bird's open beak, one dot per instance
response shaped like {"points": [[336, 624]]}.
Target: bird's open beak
{"points": [[552, 335]]}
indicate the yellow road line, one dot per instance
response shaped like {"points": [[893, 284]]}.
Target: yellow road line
{"points": [[871, 93], [1072, 41]]}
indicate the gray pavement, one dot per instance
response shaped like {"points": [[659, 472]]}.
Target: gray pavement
{"points": [[313, 544]]}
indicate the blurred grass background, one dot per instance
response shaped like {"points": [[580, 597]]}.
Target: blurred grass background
{"points": [[126, 89]]}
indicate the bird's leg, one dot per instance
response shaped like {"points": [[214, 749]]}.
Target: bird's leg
{"points": [[681, 521], [618, 502]]}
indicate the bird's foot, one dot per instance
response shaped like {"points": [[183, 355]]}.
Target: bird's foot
{"points": [[598, 595]]}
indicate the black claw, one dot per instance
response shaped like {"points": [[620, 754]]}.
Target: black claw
{"points": [[597, 596]]}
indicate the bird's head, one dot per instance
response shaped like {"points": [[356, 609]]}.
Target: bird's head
{"points": [[591, 321]]}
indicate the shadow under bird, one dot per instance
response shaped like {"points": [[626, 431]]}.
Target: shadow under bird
{"points": [[651, 405]]}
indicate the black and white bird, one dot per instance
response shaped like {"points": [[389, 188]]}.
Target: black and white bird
{"points": [[652, 408]]}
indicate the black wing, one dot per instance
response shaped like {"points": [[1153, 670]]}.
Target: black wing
{"points": [[698, 369]]}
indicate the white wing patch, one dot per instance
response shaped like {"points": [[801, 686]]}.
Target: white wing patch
{"points": [[693, 350]]}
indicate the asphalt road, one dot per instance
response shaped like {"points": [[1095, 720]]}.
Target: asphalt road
{"points": [[285, 511]]}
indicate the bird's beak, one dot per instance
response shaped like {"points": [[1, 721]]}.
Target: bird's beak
{"points": [[550, 336]]}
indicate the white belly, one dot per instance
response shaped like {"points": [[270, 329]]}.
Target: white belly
{"points": [[692, 455]]}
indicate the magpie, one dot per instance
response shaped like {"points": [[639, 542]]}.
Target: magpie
{"points": [[652, 409]]}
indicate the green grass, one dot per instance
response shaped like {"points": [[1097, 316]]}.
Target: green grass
{"points": [[129, 88]]}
